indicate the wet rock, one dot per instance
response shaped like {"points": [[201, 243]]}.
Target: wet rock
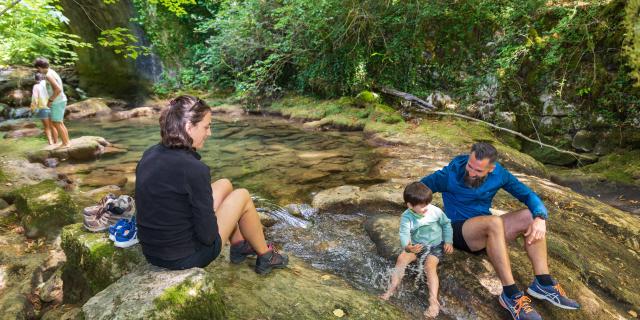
{"points": [[92, 107], [159, 293], [266, 219], [101, 178], [383, 231], [17, 113], [44, 208], [85, 148], [22, 133], [52, 290], [378, 198], [133, 113], [231, 110], [16, 124], [50, 162], [584, 140], [99, 193]]}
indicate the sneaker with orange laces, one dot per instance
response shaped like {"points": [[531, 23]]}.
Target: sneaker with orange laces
{"points": [[519, 307], [553, 293]]}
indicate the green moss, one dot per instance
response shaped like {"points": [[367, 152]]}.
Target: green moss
{"points": [[366, 98], [617, 167], [190, 301], [9, 147], [44, 208], [94, 258]]}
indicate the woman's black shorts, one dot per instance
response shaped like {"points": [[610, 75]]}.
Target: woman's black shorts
{"points": [[201, 258]]}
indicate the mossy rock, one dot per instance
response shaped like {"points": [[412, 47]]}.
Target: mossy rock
{"points": [[44, 208], [155, 293], [547, 155], [367, 98], [93, 262]]}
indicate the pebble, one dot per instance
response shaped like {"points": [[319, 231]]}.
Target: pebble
{"points": [[338, 313], [632, 313]]}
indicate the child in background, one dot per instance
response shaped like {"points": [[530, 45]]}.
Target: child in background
{"points": [[39, 99], [425, 233]]}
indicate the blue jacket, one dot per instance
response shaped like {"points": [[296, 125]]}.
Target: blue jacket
{"points": [[462, 202]]}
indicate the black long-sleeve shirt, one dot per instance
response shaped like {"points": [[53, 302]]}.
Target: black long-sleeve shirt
{"points": [[174, 203]]}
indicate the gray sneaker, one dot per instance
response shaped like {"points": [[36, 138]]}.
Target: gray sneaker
{"points": [[124, 207], [98, 222]]}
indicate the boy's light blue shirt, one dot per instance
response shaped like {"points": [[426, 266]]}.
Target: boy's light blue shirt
{"points": [[430, 229]]}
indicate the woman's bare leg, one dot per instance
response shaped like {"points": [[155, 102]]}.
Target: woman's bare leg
{"points": [[404, 259], [221, 189], [431, 270], [46, 123], [237, 211]]}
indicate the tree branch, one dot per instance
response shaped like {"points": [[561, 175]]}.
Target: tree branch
{"points": [[13, 4], [428, 108]]}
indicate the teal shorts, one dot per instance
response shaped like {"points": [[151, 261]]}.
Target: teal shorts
{"points": [[57, 110]]}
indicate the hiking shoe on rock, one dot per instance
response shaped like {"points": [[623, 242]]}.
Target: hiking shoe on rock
{"points": [[121, 208], [113, 229], [553, 293], [127, 235], [240, 251], [272, 259], [519, 307], [96, 222], [90, 211]]}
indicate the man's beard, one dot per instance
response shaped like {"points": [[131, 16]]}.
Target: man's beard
{"points": [[473, 182]]}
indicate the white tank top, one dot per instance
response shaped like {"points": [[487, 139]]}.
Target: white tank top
{"points": [[58, 80]]}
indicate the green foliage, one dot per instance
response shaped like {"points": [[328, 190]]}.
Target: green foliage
{"points": [[35, 28], [122, 42], [632, 38]]}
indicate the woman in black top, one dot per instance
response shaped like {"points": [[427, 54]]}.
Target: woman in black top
{"points": [[183, 220]]}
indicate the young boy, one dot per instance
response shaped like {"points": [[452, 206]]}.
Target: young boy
{"points": [[425, 232]]}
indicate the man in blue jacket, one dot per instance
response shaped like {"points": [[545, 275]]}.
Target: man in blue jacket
{"points": [[468, 185]]}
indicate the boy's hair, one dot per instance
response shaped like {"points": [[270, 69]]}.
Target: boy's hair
{"points": [[39, 76], [417, 193], [41, 63]]}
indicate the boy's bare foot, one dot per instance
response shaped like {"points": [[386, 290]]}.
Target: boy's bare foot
{"points": [[385, 296], [433, 310]]}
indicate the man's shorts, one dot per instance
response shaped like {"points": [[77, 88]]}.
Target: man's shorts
{"points": [[458, 240], [427, 250], [57, 110]]}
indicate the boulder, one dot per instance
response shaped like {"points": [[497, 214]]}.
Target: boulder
{"points": [[547, 155], [21, 133], [553, 106], [44, 208], [506, 119], [18, 113], [93, 107], [148, 291], [584, 140], [468, 282], [345, 199], [11, 125], [550, 125], [51, 291], [123, 285], [85, 148], [441, 101], [93, 262], [17, 98], [367, 98], [133, 113]]}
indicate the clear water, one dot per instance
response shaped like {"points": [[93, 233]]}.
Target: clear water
{"points": [[269, 157], [283, 165]]}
